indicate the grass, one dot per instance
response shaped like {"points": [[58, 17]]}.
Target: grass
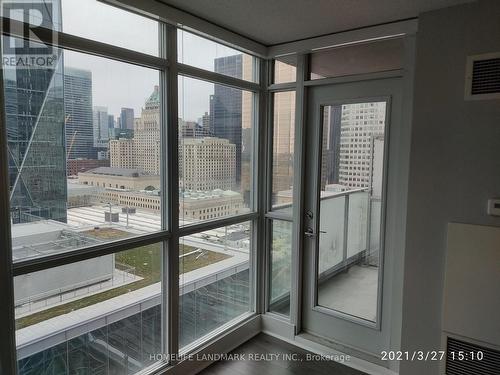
{"points": [[145, 260], [107, 233]]}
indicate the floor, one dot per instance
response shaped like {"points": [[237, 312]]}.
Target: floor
{"points": [[264, 355], [353, 292]]}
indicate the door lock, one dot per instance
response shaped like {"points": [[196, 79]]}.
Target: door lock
{"points": [[309, 214]]}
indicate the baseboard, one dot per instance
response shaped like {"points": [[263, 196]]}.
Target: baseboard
{"points": [[354, 362]]}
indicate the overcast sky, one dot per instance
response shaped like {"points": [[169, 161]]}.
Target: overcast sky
{"points": [[116, 84]]}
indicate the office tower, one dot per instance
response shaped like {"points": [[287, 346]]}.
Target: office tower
{"points": [[143, 150], [226, 107], [101, 130], [361, 129], [127, 118], [147, 135], [35, 134], [330, 168], [205, 122], [111, 122], [121, 153], [207, 164], [78, 113]]}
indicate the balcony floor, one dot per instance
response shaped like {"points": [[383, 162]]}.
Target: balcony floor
{"points": [[353, 292]]}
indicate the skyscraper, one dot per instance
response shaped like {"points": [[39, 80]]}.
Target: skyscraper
{"points": [[127, 118], [78, 113], [101, 128], [332, 117], [111, 121], [226, 107], [35, 134]]}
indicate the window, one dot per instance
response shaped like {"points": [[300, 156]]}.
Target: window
{"points": [[283, 150], [110, 24], [68, 154], [285, 69], [216, 142], [88, 178], [351, 211], [215, 57], [280, 267], [215, 279], [80, 302]]}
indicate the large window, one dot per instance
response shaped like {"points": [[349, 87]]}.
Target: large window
{"points": [[106, 309], [280, 267], [215, 57], [84, 153], [283, 151], [216, 142], [215, 279], [91, 185]]}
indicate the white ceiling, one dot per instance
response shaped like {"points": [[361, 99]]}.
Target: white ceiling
{"points": [[278, 21]]}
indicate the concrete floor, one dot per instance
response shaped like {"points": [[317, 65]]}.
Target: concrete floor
{"points": [[353, 292]]}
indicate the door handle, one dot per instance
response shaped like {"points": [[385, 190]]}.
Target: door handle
{"points": [[310, 232]]}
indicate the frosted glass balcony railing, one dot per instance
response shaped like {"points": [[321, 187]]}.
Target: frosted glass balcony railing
{"points": [[349, 224], [345, 229]]}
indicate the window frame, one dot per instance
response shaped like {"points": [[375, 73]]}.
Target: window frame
{"points": [[169, 70]]}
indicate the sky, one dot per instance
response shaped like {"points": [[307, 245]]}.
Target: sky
{"points": [[116, 84]]}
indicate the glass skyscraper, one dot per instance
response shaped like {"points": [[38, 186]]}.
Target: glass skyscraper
{"points": [[226, 107], [78, 114], [36, 136]]}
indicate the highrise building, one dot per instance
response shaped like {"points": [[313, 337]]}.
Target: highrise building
{"points": [[207, 164], [330, 168], [127, 118], [78, 114], [111, 121], [361, 132], [143, 150], [231, 109], [204, 122], [101, 128], [36, 135], [147, 135]]}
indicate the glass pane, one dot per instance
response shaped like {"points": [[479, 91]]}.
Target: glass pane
{"points": [[109, 24], [215, 57], [283, 143], [215, 150], [358, 59], [285, 69], [281, 263], [98, 316], [214, 281], [78, 174], [350, 207]]}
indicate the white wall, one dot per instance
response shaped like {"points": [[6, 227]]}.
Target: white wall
{"points": [[454, 162]]}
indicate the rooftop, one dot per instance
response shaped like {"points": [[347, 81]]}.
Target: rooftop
{"points": [[114, 171]]}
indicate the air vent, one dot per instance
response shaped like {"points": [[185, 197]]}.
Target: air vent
{"points": [[467, 358], [483, 77]]}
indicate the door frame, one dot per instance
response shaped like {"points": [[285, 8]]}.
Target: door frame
{"points": [[361, 340], [317, 159]]}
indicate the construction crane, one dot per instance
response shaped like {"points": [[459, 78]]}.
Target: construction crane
{"points": [[72, 137]]}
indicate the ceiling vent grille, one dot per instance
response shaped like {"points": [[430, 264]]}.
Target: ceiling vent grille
{"points": [[483, 77], [467, 358]]}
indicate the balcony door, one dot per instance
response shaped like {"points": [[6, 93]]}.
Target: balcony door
{"points": [[347, 263]]}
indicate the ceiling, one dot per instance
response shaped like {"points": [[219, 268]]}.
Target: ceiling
{"points": [[278, 21]]}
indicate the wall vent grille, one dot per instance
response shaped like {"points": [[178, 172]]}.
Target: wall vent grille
{"points": [[463, 358], [483, 76]]}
